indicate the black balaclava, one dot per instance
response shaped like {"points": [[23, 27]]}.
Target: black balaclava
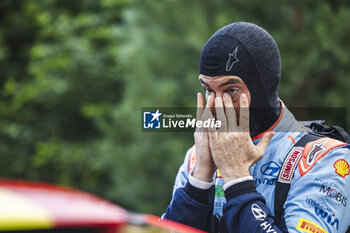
{"points": [[249, 52]]}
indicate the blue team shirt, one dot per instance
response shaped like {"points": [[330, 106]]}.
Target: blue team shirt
{"points": [[317, 201]]}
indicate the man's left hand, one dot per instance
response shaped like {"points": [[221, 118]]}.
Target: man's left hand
{"points": [[231, 146]]}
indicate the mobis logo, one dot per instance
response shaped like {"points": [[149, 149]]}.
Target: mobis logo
{"points": [[332, 192]]}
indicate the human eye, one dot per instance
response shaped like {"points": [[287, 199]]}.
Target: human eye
{"points": [[207, 90], [232, 91]]}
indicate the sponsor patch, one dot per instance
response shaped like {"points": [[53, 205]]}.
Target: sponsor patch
{"points": [[288, 167], [325, 182], [341, 167], [232, 59], [309, 227], [316, 203], [265, 181], [314, 151], [333, 193], [270, 169], [258, 213], [317, 148], [328, 217]]}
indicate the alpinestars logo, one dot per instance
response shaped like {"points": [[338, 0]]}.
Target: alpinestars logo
{"points": [[232, 59], [316, 149]]}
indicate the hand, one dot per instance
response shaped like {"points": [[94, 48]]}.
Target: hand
{"points": [[205, 168], [232, 148]]}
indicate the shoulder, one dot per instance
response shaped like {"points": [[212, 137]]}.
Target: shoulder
{"points": [[320, 151], [322, 188]]}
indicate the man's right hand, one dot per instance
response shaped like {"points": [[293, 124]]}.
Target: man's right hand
{"points": [[205, 168]]}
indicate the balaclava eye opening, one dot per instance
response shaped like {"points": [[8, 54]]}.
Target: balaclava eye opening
{"points": [[249, 52]]}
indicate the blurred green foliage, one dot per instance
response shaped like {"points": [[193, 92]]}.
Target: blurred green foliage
{"points": [[75, 75]]}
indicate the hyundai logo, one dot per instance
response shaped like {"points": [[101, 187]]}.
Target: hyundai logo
{"points": [[270, 169]]}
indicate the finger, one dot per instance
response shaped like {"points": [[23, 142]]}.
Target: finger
{"points": [[200, 106], [243, 113], [210, 101], [230, 113], [220, 114], [210, 104], [213, 134], [207, 112], [265, 141]]}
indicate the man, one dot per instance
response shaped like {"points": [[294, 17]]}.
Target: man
{"points": [[240, 69]]}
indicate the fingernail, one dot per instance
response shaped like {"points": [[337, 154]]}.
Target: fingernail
{"points": [[243, 97], [226, 95]]}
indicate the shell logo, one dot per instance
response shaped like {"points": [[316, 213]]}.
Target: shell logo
{"points": [[341, 167]]}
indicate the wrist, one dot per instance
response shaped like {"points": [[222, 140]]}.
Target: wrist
{"points": [[230, 175], [237, 181], [199, 183], [203, 175]]}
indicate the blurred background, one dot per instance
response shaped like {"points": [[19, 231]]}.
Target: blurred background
{"points": [[74, 76]]}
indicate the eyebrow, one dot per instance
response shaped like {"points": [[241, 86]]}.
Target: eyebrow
{"points": [[230, 81], [201, 81]]}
